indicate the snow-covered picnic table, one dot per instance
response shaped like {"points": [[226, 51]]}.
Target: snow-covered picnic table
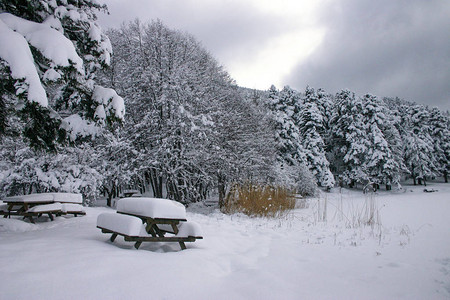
{"points": [[51, 204], [149, 220]]}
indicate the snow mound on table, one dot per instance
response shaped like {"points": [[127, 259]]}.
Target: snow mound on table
{"points": [[31, 198], [45, 208], [55, 197], [123, 224], [186, 229], [69, 207], [3, 206], [152, 207], [15, 225], [68, 197]]}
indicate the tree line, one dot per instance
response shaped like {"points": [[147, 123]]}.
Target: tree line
{"points": [[190, 132]]}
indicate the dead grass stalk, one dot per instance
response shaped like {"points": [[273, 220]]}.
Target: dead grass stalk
{"points": [[258, 200]]}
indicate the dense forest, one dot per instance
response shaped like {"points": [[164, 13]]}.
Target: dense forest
{"points": [[189, 132]]}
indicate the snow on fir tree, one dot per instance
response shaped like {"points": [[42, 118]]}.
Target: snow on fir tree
{"points": [[440, 133], [380, 163], [311, 125], [419, 154], [284, 109], [49, 54], [349, 136]]}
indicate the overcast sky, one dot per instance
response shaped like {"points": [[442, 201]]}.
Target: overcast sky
{"points": [[385, 47]]}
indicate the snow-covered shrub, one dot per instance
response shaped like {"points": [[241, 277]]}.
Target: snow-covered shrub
{"points": [[26, 172], [296, 177], [306, 183]]}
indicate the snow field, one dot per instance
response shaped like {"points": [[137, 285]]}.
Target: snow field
{"points": [[297, 257]]}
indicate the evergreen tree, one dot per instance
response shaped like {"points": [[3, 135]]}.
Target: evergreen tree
{"points": [[49, 54], [380, 162], [418, 144], [284, 109], [325, 106], [350, 143], [311, 127], [440, 133], [391, 130]]}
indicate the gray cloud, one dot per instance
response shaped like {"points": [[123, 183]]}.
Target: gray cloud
{"points": [[228, 29], [388, 48]]}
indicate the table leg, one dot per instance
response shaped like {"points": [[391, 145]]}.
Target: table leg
{"points": [[175, 228], [10, 207], [149, 228], [137, 244], [182, 245], [113, 237]]}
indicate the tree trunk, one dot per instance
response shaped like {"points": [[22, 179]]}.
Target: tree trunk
{"points": [[109, 194], [221, 189], [156, 181], [109, 197], [413, 175]]}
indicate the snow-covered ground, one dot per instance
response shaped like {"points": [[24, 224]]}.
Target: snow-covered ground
{"points": [[301, 256]]}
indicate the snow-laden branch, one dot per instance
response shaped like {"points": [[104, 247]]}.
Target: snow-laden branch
{"points": [[108, 100], [16, 36], [15, 51], [50, 42]]}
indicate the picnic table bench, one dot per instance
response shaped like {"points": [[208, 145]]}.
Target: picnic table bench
{"points": [[149, 220], [36, 205]]}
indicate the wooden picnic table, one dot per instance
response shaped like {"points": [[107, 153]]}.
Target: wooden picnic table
{"points": [[155, 226], [19, 206], [158, 227], [32, 205], [160, 216]]}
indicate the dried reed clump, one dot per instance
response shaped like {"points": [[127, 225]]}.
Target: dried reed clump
{"points": [[257, 200]]}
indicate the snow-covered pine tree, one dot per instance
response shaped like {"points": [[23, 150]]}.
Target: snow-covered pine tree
{"points": [[311, 125], [284, 109], [349, 142], [49, 54], [325, 105], [418, 150], [391, 130], [440, 133], [380, 162]]}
